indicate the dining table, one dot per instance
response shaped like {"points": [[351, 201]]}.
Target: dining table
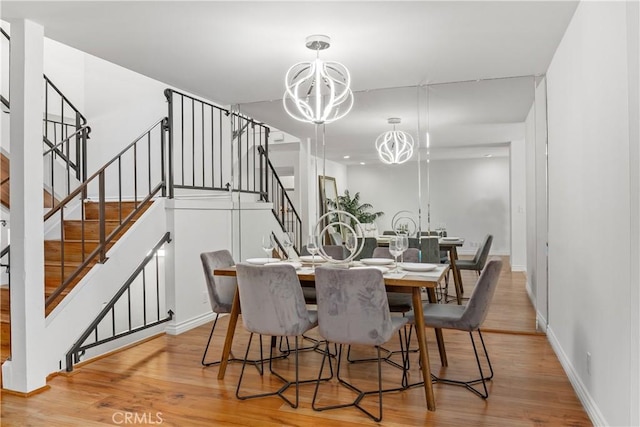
{"points": [[402, 281], [449, 244]]}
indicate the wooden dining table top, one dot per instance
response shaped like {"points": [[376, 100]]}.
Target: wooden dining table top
{"points": [[409, 279]]}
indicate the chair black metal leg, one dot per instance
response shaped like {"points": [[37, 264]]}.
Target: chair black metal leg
{"points": [[287, 383], [208, 343], [256, 363], [469, 384], [387, 358], [361, 394]]}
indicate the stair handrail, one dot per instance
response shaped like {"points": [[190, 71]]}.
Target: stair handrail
{"points": [[73, 107], [101, 249], [285, 207], [54, 146], [78, 347]]}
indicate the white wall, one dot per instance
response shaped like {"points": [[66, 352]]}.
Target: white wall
{"points": [[590, 304], [198, 225], [201, 225], [470, 196], [65, 67]]}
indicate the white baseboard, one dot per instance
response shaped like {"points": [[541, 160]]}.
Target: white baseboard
{"points": [[583, 394], [516, 267], [541, 322], [532, 297], [194, 322]]}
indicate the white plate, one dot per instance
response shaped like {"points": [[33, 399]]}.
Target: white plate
{"points": [[262, 261], [312, 258], [384, 270], [296, 265], [417, 266], [451, 238], [376, 261]]}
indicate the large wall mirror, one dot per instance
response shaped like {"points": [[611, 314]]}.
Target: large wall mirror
{"points": [[468, 172]]}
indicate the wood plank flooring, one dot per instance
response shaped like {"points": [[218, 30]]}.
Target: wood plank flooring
{"points": [[161, 382]]}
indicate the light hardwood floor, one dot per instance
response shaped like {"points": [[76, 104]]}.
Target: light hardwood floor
{"points": [[162, 382]]}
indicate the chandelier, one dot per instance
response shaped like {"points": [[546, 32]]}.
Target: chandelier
{"points": [[394, 146], [318, 91]]}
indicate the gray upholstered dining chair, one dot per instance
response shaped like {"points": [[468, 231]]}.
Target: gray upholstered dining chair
{"points": [[429, 248], [467, 318], [398, 303], [334, 251], [479, 259], [370, 244], [221, 289], [272, 304], [430, 253], [353, 309]]}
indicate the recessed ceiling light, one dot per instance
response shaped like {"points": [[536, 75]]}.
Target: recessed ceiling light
{"points": [[488, 155], [346, 157], [362, 163]]}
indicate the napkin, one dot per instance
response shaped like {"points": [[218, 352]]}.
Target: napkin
{"points": [[394, 275]]}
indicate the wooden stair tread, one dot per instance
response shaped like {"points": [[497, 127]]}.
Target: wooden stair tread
{"points": [[53, 276]]}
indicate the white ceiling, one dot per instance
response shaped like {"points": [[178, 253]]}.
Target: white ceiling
{"points": [[238, 53]]}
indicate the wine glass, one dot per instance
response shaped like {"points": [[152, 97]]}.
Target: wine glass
{"points": [[267, 245], [351, 242], [287, 241], [313, 247], [403, 246], [395, 249]]}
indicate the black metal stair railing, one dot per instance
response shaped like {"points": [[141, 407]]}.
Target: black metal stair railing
{"points": [[64, 140], [65, 134], [136, 175], [109, 325], [200, 154], [283, 208]]}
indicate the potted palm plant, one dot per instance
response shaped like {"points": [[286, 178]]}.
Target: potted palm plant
{"points": [[352, 205]]}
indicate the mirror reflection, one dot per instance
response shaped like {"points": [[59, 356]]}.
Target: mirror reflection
{"points": [[458, 179]]}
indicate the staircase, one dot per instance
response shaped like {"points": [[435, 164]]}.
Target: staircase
{"points": [[75, 251], [5, 163]]}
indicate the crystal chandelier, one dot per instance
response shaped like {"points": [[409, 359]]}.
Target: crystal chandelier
{"points": [[318, 91], [394, 146]]}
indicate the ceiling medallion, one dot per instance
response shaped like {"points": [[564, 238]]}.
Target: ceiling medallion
{"points": [[318, 91], [394, 146]]}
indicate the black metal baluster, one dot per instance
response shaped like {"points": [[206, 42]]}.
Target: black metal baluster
{"points": [[149, 158], [193, 143], [213, 183], [202, 125], [144, 296], [182, 130], [220, 144], [129, 305], [157, 289], [135, 174]]}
